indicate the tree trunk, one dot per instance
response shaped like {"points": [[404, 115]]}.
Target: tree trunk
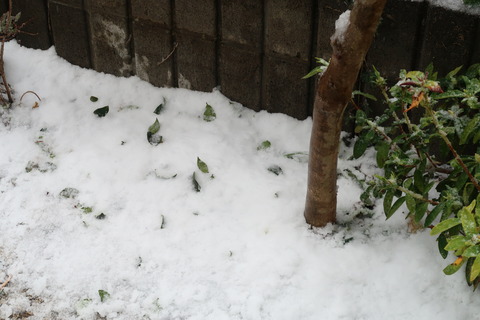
{"points": [[334, 90]]}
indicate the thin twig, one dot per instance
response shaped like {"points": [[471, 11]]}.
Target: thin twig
{"points": [[29, 91], [6, 282], [354, 104], [414, 194], [170, 54], [459, 160]]}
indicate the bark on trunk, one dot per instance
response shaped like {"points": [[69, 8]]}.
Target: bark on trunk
{"points": [[333, 93]]}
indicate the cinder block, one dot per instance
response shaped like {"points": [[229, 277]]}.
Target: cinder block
{"points": [[158, 11], [3, 7], [153, 45], [283, 89], [111, 7], [70, 34], [394, 45], [447, 40], [110, 44], [475, 58], [240, 75], [196, 16], [241, 22], [328, 13], [288, 28], [69, 3], [35, 12], [195, 62]]}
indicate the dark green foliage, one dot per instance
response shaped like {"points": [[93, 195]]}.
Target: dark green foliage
{"points": [[439, 186]]}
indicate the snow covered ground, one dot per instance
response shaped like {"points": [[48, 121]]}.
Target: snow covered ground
{"points": [[456, 5], [97, 223]]}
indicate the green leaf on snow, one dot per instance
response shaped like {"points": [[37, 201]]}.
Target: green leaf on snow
{"points": [[160, 107], [264, 145], [104, 295], [209, 114], [196, 185], [102, 112], [152, 136], [275, 169], [202, 165]]}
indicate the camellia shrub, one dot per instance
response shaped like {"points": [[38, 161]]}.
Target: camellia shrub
{"points": [[426, 141]]}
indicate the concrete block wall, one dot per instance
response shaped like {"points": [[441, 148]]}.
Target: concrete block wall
{"points": [[255, 51], [153, 41], [110, 36], [69, 30], [36, 11], [240, 60]]}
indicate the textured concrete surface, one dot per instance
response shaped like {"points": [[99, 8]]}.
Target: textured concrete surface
{"points": [[240, 75], [288, 26], [34, 12], [153, 47], [70, 35], [158, 11], [448, 39], [241, 22], [110, 43], [196, 62], [283, 89]]}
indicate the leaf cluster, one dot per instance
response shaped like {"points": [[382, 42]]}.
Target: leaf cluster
{"points": [[426, 141], [9, 27]]}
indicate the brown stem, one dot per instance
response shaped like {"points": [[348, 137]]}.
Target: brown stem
{"points": [[355, 105], [6, 282], [462, 164], [29, 91], [2, 71], [452, 149], [413, 194], [443, 170]]}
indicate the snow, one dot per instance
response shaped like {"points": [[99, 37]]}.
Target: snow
{"points": [[341, 26], [238, 249], [457, 5]]}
